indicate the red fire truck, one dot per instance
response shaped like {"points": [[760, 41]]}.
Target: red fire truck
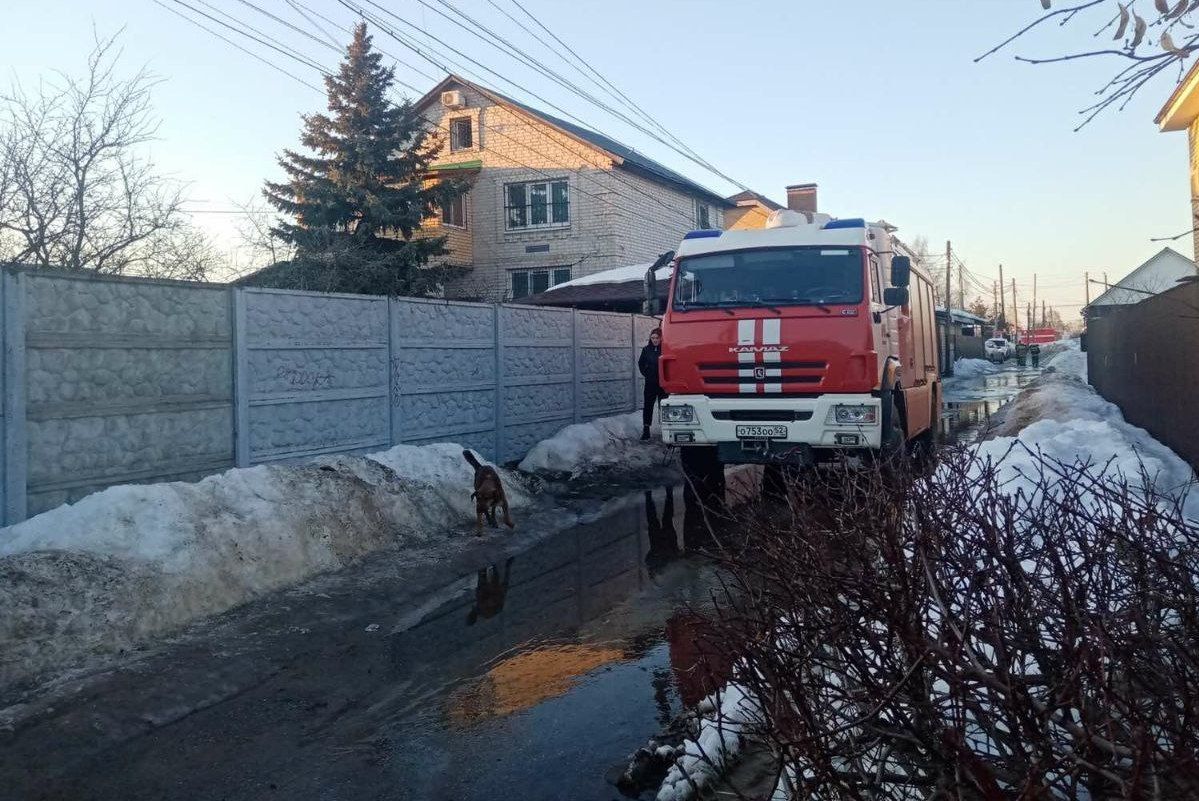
{"points": [[792, 343]]}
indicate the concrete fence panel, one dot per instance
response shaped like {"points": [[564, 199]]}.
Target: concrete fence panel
{"points": [[443, 373], [115, 380], [536, 363], [607, 364], [123, 382], [317, 376]]}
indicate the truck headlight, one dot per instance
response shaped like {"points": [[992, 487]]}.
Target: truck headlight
{"points": [[855, 415], [678, 413]]}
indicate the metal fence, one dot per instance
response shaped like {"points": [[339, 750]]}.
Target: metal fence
{"points": [[113, 380], [1145, 359]]}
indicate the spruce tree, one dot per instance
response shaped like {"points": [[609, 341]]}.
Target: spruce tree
{"points": [[360, 196]]}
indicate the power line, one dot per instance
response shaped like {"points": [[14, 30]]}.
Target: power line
{"points": [[629, 213], [234, 44], [403, 40], [523, 57], [350, 30], [507, 80], [267, 40], [602, 81], [330, 37], [281, 49]]}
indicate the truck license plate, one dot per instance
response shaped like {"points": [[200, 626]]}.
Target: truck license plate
{"points": [[761, 432]]}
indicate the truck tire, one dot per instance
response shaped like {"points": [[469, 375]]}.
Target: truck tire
{"points": [[893, 447]]}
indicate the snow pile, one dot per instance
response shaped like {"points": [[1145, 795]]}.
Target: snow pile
{"points": [[726, 717], [619, 275], [1061, 418], [973, 368], [134, 561], [599, 443]]}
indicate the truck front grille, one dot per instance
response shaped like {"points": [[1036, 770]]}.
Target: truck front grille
{"points": [[762, 415]]}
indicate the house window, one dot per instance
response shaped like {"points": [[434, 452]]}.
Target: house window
{"points": [[703, 217], [530, 282], [536, 204], [453, 212], [460, 134]]}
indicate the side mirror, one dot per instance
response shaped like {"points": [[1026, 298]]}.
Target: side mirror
{"points": [[895, 296], [651, 293], [901, 271]]}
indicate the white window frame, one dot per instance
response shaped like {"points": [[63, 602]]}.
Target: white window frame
{"points": [[528, 205], [702, 209]]}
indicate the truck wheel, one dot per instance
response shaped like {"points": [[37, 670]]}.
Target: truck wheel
{"points": [[893, 449]]}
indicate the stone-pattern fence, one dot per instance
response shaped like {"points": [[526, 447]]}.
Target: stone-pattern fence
{"points": [[118, 380]]}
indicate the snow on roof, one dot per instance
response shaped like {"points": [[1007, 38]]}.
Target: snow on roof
{"points": [[618, 275]]}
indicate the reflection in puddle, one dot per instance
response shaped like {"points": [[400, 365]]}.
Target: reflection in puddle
{"points": [[971, 403], [526, 679]]}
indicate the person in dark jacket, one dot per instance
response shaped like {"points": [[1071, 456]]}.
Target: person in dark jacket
{"points": [[648, 365]]}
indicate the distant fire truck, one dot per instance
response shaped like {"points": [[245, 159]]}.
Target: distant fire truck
{"points": [[797, 341], [1038, 336]]}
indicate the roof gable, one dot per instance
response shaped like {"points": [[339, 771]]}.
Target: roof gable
{"points": [[751, 198], [621, 154], [1159, 273]]}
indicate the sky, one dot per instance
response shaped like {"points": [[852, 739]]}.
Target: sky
{"points": [[878, 101]]}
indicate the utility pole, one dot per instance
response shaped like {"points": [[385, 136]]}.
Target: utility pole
{"points": [[1015, 310], [1034, 300], [1087, 287], [945, 355], [1042, 312], [1002, 299]]}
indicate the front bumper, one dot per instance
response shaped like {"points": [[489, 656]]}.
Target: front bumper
{"points": [[716, 421]]}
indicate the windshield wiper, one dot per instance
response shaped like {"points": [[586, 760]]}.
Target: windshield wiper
{"points": [[720, 304], [817, 302], [765, 304]]}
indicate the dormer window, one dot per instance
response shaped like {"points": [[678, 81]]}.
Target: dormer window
{"points": [[461, 134]]}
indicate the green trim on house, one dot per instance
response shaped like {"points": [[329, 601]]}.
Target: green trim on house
{"points": [[457, 165]]}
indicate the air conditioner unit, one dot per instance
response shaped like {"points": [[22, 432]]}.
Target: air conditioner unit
{"points": [[453, 99]]}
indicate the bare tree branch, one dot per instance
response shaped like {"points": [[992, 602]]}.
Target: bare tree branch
{"points": [[76, 191]]}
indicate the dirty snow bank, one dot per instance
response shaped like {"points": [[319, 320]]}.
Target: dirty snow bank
{"points": [[972, 368], [725, 718], [134, 561], [600, 443], [1059, 417]]}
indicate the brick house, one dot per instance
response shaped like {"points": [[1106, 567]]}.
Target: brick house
{"points": [[1181, 113], [752, 210], [550, 200]]}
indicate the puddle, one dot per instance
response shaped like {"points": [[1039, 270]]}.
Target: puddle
{"points": [[544, 671], [970, 403]]}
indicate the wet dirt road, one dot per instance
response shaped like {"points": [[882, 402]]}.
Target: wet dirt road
{"points": [[532, 671]]}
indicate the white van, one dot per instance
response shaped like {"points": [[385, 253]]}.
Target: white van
{"points": [[997, 349]]}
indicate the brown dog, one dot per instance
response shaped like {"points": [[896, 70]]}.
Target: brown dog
{"points": [[488, 494]]}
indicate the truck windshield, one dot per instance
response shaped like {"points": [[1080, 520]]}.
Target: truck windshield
{"points": [[793, 276]]}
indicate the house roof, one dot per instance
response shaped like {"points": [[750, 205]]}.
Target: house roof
{"points": [[1159, 273], [1182, 107], [623, 155], [749, 198], [617, 289], [960, 316]]}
